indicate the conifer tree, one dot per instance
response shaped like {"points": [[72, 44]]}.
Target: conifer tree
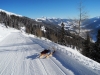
{"points": [[86, 47], [62, 34], [97, 48]]}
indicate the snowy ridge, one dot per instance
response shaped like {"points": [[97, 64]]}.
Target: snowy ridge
{"points": [[53, 20], [9, 13]]}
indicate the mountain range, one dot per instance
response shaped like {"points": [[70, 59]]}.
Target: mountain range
{"points": [[92, 24]]}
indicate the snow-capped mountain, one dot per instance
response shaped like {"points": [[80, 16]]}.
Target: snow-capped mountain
{"points": [[56, 21], [92, 24], [69, 22], [9, 13]]}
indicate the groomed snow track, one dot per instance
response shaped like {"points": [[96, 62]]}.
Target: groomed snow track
{"points": [[18, 56]]}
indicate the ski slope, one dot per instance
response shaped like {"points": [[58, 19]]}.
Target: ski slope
{"points": [[18, 56]]}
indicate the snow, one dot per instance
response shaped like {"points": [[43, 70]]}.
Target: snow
{"points": [[23, 29], [43, 29], [95, 20], [19, 52], [5, 31], [98, 26], [9, 13]]}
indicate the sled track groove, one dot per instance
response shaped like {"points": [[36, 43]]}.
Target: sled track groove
{"points": [[58, 67]]}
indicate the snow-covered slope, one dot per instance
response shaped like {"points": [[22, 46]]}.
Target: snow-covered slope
{"points": [[9, 13], [4, 32], [18, 56]]}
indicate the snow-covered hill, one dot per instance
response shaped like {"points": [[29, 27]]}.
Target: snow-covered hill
{"points": [[9, 13], [19, 51]]}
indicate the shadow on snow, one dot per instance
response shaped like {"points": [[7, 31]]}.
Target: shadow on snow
{"points": [[32, 57]]}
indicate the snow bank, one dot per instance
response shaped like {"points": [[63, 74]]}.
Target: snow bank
{"points": [[71, 53], [4, 31]]}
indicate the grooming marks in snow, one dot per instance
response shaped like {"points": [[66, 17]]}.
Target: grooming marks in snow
{"points": [[18, 56]]}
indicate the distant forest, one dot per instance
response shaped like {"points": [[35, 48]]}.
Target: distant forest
{"points": [[54, 33]]}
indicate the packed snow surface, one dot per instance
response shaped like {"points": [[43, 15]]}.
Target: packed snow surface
{"points": [[19, 56]]}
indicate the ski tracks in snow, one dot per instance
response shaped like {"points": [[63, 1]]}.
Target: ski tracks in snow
{"points": [[18, 56]]}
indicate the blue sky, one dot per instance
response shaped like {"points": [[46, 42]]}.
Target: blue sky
{"points": [[50, 8]]}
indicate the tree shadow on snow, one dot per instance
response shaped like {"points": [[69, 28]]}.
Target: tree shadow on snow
{"points": [[32, 57]]}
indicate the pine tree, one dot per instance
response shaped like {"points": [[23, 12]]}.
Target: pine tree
{"points": [[98, 37], [86, 47], [97, 48], [62, 34]]}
